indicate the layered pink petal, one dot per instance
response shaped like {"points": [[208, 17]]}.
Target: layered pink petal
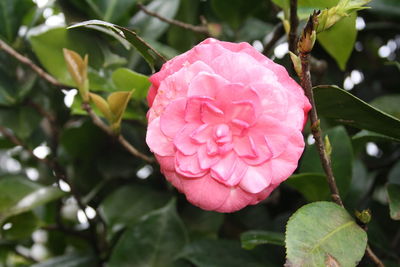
{"points": [[256, 179], [188, 166], [172, 120], [157, 141], [229, 170]]}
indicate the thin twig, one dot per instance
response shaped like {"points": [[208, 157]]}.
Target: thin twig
{"points": [[294, 23], [124, 143], [273, 37], [373, 257], [305, 45], [187, 26], [44, 75]]}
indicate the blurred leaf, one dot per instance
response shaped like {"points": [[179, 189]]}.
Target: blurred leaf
{"points": [[339, 40], [365, 136], [221, 253], [342, 158], [320, 229], [11, 16], [251, 239], [335, 103], [152, 28], [254, 29], [69, 260], [141, 199], [22, 226], [394, 174], [312, 186], [126, 80], [149, 54], [201, 223], [386, 7], [18, 195], [393, 192], [23, 121], [234, 12], [155, 240], [388, 104], [48, 47]]}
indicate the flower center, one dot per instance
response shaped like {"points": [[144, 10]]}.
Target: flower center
{"points": [[223, 138]]}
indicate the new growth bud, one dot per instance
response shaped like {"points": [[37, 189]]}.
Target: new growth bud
{"points": [[309, 35]]}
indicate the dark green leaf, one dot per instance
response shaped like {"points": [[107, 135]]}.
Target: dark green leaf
{"points": [[23, 121], [151, 28], [322, 229], [313, 186], [11, 16], [154, 241], [18, 195], [148, 53], [218, 253], [251, 239], [21, 226], [335, 103], [141, 201], [393, 191], [126, 80], [386, 7], [342, 158], [394, 174]]}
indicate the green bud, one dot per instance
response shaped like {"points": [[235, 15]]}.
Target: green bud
{"points": [[363, 216], [296, 63], [328, 146]]}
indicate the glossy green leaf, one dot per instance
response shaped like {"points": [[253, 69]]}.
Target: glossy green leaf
{"points": [[251, 239], [340, 105], [321, 230], [48, 47], [69, 260], [388, 104], [18, 195], [110, 10], [364, 136], [11, 16], [393, 191], [141, 200], [151, 28], [21, 226], [339, 40], [155, 240], [342, 158], [149, 54], [312, 186], [126, 80], [221, 253]]}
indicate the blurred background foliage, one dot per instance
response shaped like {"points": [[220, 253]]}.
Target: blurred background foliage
{"points": [[71, 195]]}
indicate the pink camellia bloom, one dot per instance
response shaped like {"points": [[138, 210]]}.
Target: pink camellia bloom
{"points": [[225, 124]]}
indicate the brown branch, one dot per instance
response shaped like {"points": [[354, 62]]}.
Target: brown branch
{"points": [[273, 37], [305, 45], [294, 23], [43, 74], [123, 142], [190, 27]]}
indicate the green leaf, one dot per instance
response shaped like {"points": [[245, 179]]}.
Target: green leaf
{"points": [[48, 47], [18, 195], [394, 174], [342, 158], [111, 10], [23, 121], [251, 239], [152, 28], [338, 104], [339, 40], [386, 7], [221, 253], [149, 54], [388, 104], [312, 186], [321, 230], [69, 260], [22, 226], [393, 191], [141, 201], [12, 13], [126, 80], [234, 12], [154, 241]]}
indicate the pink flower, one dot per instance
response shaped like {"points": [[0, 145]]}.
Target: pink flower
{"points": [[225, 124]]}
